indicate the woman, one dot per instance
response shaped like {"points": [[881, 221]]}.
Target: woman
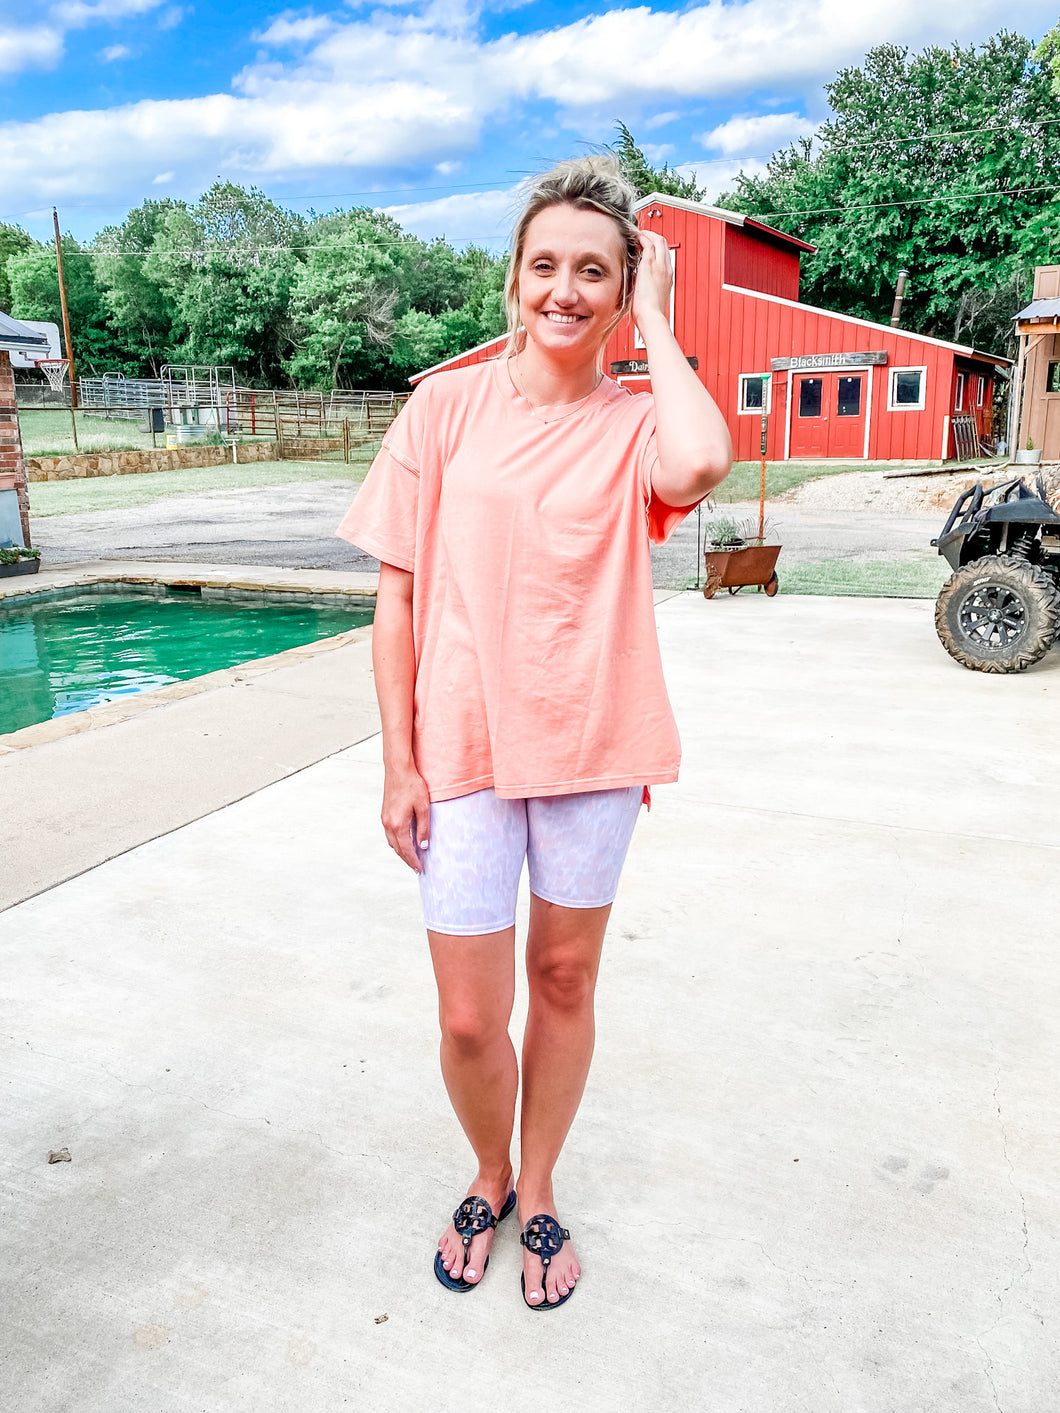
{"points": [[520, 688]]}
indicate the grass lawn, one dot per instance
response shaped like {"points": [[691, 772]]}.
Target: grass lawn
{"points": [[919, 577], [742, 482], [46, 431], [120, 492]]}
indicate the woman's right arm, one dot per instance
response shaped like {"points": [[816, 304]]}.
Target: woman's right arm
{"points": [[406, 804]]}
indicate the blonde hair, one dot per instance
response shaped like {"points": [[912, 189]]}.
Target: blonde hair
{"points": [[593, 183]]}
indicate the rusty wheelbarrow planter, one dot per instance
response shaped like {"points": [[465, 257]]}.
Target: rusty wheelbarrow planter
{"points": [[741, 567]]}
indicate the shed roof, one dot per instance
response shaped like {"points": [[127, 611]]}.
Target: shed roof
{"points": [[721, 213], [21, 337], [1040, 309]]}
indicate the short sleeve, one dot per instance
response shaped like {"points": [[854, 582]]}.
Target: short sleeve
{"points": [[663, 519], [382, 519]]}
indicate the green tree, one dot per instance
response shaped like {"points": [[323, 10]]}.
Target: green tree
{"points": [[142, 310], [34, 282], [229, 265], [645, 178], [13, 241], [344, 297], [1048, 53], [945, 163], [433, 277]]}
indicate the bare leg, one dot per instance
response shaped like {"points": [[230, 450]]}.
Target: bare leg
{"points": [[476, 989], [562, 962]]}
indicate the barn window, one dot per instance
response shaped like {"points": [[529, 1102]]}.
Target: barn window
{"points": [[638, 342], [907, 389], [810, 397], [958, 400], [754, 389], [1052, 378], [980, 391], [848, 397]]}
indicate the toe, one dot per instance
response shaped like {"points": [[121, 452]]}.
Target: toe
{"points": [[452, 1249]]}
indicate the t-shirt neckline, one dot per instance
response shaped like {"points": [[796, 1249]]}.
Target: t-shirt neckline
{"points": [[506, 386]]}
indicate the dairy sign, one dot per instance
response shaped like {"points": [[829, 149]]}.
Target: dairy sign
{"points": [[828, 360]]}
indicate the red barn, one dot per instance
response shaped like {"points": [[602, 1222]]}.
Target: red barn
{"points": [[840, 387]]}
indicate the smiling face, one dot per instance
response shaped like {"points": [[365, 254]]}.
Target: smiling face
{"points": [[570, 281]]}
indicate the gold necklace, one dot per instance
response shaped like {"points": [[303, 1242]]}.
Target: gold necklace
{"points": [[521, 386]]}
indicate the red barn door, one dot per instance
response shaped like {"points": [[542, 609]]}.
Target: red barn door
{"points": [[828, 415]]}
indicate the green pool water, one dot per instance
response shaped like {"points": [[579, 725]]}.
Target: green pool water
{"points": [[60, 655]]}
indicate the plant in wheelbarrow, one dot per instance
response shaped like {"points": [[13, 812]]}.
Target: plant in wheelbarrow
{"points": [[999, 611], [737, 556]]}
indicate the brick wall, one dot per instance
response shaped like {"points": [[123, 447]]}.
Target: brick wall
{"points": [[11, 441]]}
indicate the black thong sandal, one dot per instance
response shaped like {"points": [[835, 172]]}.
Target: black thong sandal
{"points": [[544, 1237], [471, 1219]]}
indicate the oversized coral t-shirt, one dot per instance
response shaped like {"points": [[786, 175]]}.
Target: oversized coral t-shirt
{"points": [[527, 530]]}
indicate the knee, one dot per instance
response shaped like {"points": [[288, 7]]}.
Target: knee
{"points": [[563, 984], [466, 1031]]}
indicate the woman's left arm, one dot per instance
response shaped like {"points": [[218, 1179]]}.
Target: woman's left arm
{"points": [[695, 450]]}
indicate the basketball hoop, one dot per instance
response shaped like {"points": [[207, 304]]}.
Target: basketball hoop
{"points": [[54, 369]]}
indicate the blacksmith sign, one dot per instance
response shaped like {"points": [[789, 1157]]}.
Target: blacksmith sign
{"points": [[828, 360]]}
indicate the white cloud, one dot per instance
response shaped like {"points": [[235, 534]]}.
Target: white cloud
{"points": [[115, 51], [289, 28], [717, 177], [38, 47], [757, 133], [169, 19], [413, 84], [75, 14], [162, 178], [657, 151], [477, 217], [89, 153], [659, 120]]}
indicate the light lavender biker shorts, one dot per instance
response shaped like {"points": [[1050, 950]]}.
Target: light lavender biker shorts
{"points": [[574, 847]]}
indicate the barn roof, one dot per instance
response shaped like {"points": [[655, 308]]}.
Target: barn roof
{"points": [[732, 218], [1040, 309], [965, 350], [21, 337]]}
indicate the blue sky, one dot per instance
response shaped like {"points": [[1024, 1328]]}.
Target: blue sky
{"points": [[432, 109]]}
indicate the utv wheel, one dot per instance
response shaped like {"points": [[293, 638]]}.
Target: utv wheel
{"points": [[998, 614]]}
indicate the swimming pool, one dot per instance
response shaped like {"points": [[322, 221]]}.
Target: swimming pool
{"points": [[67, 650]]}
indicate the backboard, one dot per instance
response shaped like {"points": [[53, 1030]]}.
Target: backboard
{"points": [[54, 349]]}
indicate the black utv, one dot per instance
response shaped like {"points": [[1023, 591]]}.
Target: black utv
{"points": [[999, 611]]}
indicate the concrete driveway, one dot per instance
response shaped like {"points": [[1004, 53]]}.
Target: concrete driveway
{"points": [[815, 1168]]}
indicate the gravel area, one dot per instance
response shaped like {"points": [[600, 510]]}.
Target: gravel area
{"points": [[861, 516], [879, 493]]}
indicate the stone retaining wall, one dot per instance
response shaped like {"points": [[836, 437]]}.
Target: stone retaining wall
{"points": [[132, 463]]}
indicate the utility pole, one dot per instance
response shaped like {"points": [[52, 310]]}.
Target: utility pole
{"points": [[70, 372], [766, 381], [899, 296]]}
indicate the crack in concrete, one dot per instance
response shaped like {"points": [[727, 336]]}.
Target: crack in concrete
{"points": [[1024, 1268]]}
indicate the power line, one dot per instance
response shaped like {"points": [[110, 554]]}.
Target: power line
{"points": [[912, 201], [839, 147]]}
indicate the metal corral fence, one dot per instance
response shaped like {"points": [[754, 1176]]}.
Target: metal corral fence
{"points": [[210, 396]]}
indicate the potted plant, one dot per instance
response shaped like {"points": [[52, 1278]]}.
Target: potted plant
{"points": [[16, 559], [737, 556], [1030, 456]]}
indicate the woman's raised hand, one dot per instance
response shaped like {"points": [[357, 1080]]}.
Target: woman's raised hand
{"points": [[406, 814], [655, 277]]}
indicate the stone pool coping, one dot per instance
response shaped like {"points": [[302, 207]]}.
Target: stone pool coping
{"points": [[235, 581]]}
